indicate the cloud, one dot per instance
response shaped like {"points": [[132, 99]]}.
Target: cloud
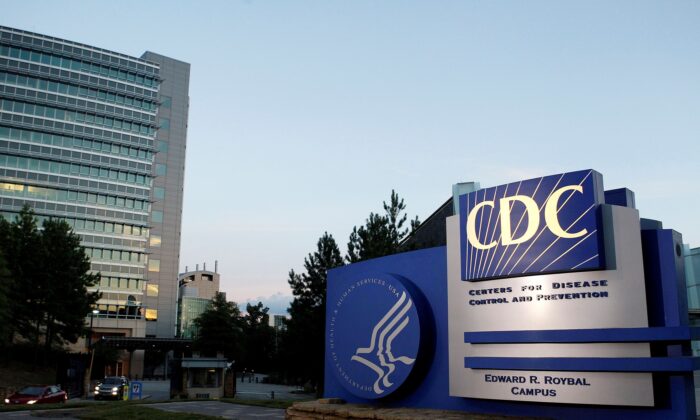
{"points": [[278, 303]]}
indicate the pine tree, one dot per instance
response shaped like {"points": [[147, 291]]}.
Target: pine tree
{"points": [[45, 282], [303, 341], [28, 289], [382, 234], [67, 274], [219, 329], [259, 338], [6, 305]]}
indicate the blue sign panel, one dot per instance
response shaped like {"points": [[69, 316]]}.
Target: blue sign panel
{"points": [[538, 226], [406, 330], [374, 334], [135, 390]]}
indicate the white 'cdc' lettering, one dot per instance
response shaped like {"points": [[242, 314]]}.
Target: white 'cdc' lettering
{"points": [[551, 208]]}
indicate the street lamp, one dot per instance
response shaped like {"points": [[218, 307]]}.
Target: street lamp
{"points": [[92, 356], [92, 316]]}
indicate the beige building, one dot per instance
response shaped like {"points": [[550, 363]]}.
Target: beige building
{"points": [[196, 291]]}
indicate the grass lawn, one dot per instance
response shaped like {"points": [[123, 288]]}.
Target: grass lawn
{"points": [[24, 407], [133, 411], [137, 409]]}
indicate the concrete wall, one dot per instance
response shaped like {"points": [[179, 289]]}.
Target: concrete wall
{"points": [[171, 142]]}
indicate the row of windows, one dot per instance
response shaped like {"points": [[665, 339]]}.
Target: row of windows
{"points": [[121, 298], [52, 194], [133, 243], [124, 311], [63, 182], [45, 98], [88, 53], [115, 255], [120, 241], [68, 156], [127, 270], [107, 227], [74, 142], [71, 129], [92, 226], [121, 283], [81, 78], [75, 90], [38, 97], [49, 166], [76, 116], [77, 65], [66, 210]]}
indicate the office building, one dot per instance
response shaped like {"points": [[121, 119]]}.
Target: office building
{"points": [[97, 138], [197, 289], [278, 322]]}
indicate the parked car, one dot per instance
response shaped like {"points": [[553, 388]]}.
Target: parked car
{"points": [[111, 387], [38, 394]]}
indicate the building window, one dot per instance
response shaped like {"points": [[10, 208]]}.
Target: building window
{"points": [[152, 290], [161, 169], [204, 378], [151, 314], [164, 123], [155, 241], [167, 101], [162, 146], [159, 193], [154, 266], [157, 216]]}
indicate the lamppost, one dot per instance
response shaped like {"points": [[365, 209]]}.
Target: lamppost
{"points": [[92, 355], [92, 316]]}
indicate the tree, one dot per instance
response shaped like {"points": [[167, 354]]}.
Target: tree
{"points": [[303, 341], [46, 281], [6, 305], [382, 234], [66, 264], [27, 289], [259, 338], [219, 329]]}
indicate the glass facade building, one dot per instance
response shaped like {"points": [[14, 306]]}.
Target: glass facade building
{"points": [[190, 308], [197, 290], [691, 259], [88, 136]]}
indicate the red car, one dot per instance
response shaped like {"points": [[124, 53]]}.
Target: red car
{"points": [[38, 394]]}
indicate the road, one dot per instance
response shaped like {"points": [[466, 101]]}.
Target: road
{"points": [[210, 408], [160, 391], [221, 409]]}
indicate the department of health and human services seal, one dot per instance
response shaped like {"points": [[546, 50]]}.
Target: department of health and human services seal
{"points": [[374, 335]]}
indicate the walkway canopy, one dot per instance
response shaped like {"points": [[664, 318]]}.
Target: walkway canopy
{"points": [[145, 343]]}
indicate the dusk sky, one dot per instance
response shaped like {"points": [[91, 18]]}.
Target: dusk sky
{"points": [[304, 115]]}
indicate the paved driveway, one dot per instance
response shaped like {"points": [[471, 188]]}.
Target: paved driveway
{"points": [[221, 409]]}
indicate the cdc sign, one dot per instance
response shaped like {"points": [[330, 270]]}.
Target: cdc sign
{"points": [[545, 301]]}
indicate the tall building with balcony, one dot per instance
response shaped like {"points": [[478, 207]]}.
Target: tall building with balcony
{"points": [[97, 138]]}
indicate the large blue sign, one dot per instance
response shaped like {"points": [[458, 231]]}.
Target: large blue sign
{"points": [[566, 291], [537, 226]]}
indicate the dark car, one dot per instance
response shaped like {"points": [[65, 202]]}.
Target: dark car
{"points": [[38, 394], [111, 387]]}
